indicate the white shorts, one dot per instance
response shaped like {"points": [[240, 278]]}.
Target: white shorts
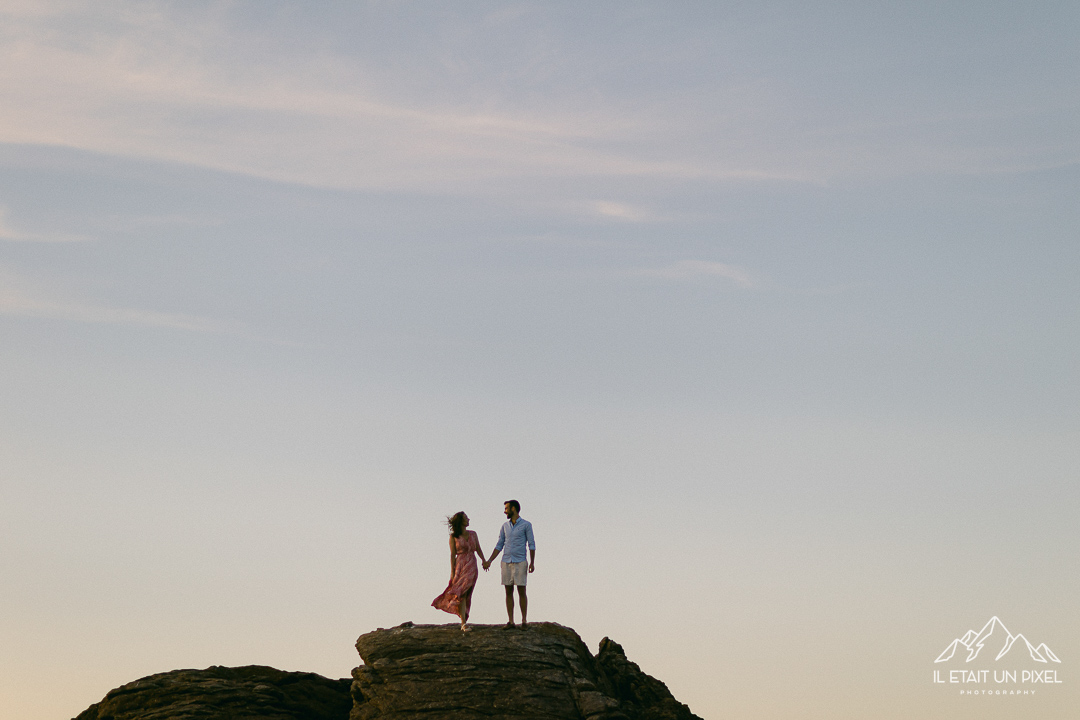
{"points": [[515, 573]]}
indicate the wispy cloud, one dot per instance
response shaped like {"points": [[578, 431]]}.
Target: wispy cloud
{"points": [[621, 211], [192, 84], [145, 84], [17, 302], [688, 269], [7, 232]]}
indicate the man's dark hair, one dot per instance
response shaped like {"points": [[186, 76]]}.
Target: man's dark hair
{"points": [[514, 504]]}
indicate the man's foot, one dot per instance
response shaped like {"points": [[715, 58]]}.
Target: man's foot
{"points": [[524, 625], [509, 626]]}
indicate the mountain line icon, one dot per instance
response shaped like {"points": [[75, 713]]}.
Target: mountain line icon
{"points": [[993, 636]]}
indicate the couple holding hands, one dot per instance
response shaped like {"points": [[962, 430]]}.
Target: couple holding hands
{"points": [[515, 535]]}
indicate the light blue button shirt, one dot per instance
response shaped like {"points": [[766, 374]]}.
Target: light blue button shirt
{"points": [[515, 537]]}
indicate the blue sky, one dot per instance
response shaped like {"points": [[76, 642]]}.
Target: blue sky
{"points": [[766, 313]]}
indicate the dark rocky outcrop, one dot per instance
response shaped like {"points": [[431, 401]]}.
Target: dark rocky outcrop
{"points": [[641, 696], [417, 672], [436, 671], [220, 693]]}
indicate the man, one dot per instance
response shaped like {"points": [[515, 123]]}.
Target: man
{"points": [[515, 534]]}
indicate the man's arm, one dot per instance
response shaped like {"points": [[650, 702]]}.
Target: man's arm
{"points": [[498, 548], [531, 541]]}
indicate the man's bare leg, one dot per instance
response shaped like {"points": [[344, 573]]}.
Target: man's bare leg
{"points": [[509, 604], [524, 604]]}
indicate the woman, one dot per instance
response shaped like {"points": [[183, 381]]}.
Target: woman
{"points": [[457, 597]]}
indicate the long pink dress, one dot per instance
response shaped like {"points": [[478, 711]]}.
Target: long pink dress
{"points": [[464, 573]]}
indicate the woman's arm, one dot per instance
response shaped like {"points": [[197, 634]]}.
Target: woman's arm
{"points": [[476, 545], [453, 556]]}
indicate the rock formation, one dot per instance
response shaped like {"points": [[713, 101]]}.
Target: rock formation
{"points": [[220, 693], [414, 672], [436, 671]]}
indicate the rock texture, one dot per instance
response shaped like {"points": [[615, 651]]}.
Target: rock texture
{"points": [[545, 672], [641, 696], [414, 672], [220, 693]]}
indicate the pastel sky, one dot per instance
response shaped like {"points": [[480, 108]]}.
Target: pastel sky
{"points": [[768, 313]]}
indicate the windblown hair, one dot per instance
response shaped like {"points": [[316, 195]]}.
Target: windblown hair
{"points": [[456, 523]]}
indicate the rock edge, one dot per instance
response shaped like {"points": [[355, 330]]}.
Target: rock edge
{"points": [[436, 671]]}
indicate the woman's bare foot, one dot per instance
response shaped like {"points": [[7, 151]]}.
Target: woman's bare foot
{"points": [[465, 628]]}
